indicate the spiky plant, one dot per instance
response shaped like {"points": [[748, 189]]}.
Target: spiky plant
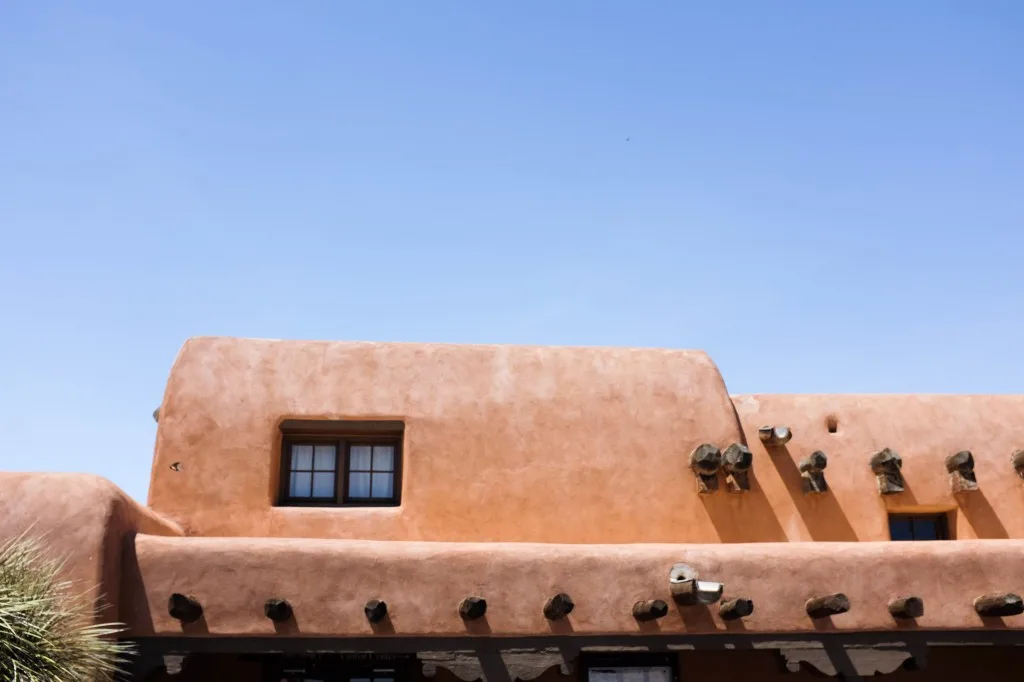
{"points": [[48, 631]]}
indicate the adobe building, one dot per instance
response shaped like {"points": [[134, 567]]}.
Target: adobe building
{"points": [[375, 512]]}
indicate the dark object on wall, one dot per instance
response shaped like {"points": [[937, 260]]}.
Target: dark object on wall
{"points": [[185, 609], [812, 472], [961, 472], [705, 462], [375, 610], [999, 605], [736, 462], [734, 609], [1017, 459], [651, 609], [887, 465], [907, 607], [277, 610], [559, 606], [472, 608], [828, 605]]}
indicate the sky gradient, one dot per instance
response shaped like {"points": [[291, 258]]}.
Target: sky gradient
{"points": [[826, 197]]}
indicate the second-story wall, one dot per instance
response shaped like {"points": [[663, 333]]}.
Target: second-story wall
{"points": [[577, 445], [581, 445], [923, 429]]}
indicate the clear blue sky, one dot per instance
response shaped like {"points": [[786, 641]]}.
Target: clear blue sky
{"points": [[826, 196]]}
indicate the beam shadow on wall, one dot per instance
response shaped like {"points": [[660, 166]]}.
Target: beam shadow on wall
{"points": [[821, 513], [979, 513], [743, 517]]}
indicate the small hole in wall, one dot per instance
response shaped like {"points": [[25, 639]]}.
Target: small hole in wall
{"points": [[832, 423], [176, 466]]}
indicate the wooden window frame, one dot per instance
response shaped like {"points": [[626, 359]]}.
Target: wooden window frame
{"points": [[942, 526], [343, 442]]}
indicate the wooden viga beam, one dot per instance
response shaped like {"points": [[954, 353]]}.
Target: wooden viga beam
{"points": [[648, 610], [827, 605]]}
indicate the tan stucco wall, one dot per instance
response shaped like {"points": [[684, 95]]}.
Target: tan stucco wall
{"points": [[581, 452], [576, 445], [924, 429], [501, 443], [328, 582], [82, 520]]}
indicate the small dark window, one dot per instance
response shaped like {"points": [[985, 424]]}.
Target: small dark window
{"points": [[341, 463], [905, 527]]}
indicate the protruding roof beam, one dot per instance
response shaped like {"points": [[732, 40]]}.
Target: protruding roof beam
{"points": [[812, 473], [1017, 460], [961, 472], [999, 605], [705, 461], [906, 608], [827, 605], [651, 609], [184, 608], [559, 606], [277, 610], [736, 462], [886, 464], [376, 610], [734, 609], [472, 608]]}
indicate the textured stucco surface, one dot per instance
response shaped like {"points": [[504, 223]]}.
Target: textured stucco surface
{"points": [[923, 429], [569, 445], [501, 442], [529, 471], [81, 519], [329, 581]]}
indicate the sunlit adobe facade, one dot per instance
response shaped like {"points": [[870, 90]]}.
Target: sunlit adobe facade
{"points": [[351, 511]]}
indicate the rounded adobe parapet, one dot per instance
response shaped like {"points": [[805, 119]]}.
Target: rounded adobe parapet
{"points": [[536, 589], [80, 519], [573, 439]]}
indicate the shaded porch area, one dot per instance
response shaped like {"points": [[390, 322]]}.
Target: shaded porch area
{"points": [[914, 655]]}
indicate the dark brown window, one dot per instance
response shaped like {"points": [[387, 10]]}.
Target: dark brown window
{"points": [[906, 527], [341, 463]]}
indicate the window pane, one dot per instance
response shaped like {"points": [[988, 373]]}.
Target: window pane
{"points": [[300, 484], [383, 485], [359, 460], [323, 459], [383, 458], [302, 457], [924, 529], [323, 484], [900, 529], [359, 485]]}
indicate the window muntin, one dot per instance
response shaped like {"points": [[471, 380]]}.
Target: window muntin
{"points": [[371, 471], [313, 471], [318, 469]]}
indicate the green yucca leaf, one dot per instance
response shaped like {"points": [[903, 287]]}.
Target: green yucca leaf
{"points": [[47, 633]]}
